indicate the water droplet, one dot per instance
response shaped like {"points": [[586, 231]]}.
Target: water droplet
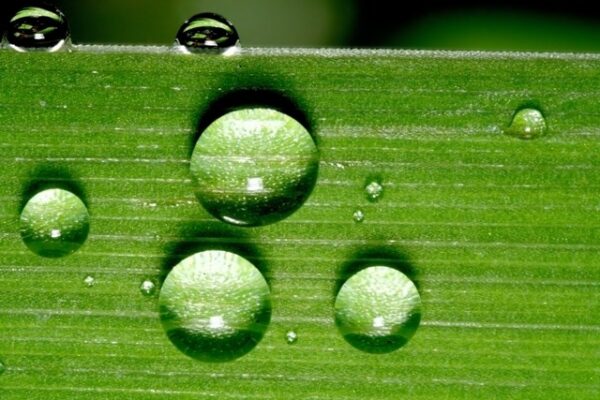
{"points": [[215, 306], [378, 309], [254, 166], [207, 31], [527, 123], [89, 281], [37, 27], [2, 367], [374, 190], [54, 223], [291, 337], [358, 216], [148, 288]]}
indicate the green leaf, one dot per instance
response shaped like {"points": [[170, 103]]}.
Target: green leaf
{"points": [[499, 234]]}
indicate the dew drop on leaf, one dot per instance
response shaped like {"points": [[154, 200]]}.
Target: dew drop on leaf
{"points": [[54, 223], [378, 309], [527, 123], [40, 27], [206, 32], [358, 216], [254, 166], [215, 306], [291, 337], [374, 190], [147, 288]]}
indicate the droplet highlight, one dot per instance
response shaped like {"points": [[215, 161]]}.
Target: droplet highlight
{"points": [[527, 123], [148, 288], [207, 32], [291, 337], [358, 216], [89, 281], [54, 223], [378, 309], [215, 306], [374, 190], [254, 166], [37, 27]]}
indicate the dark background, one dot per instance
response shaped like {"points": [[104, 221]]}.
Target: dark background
{"points": [[495, 25]]}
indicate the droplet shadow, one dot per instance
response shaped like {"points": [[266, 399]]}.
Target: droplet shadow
{"points": [[45, 177], [252, 89], [375, 256], [217, 236]]}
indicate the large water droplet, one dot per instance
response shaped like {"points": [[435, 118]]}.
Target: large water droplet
{"points": [[374, 190], [207, 31], [37, 27], [254, 166], [54, 223], [527, 123], [378, 309], [215, 306]]}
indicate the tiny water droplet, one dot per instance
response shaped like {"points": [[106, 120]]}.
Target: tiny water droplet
{"points": [[358, 216], [37, 27], [215, 306], [291, 337], [207, 31], [378, 309], [374, 190], [54, 223], [89, 281], [527, 123], [148, 288], [254, 166]]}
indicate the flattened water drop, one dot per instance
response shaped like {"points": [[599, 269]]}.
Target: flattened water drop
{"points": [[215, 306], [254, 166], [54, 223], [378, 309], [38, 26], [207, 31], [527, 123]]}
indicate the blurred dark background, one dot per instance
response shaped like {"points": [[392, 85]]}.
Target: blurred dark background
{"points": [[491, 25]]}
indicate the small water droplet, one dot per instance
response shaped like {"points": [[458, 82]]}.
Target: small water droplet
{"points": [[2, 367], [358, 216], [374, 190], [37, 27], [54, 223], [89, 281], [527, 123], [378, 309], [207, 31], [291, 337], [148, 288], [254, 166], [215, 306]]}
